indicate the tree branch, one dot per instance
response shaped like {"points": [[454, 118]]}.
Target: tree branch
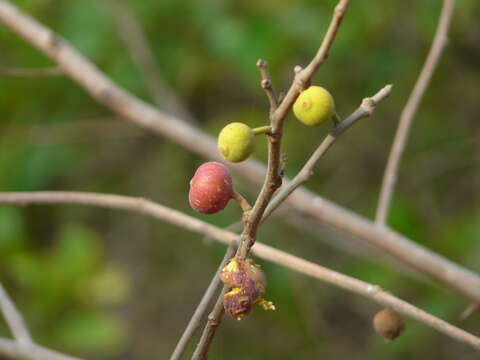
{"points": [[213, 322], [307, 203], [364, 110], [14, 318], [373, 292], [408, 113]]}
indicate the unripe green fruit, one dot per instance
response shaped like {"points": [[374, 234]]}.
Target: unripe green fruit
{"points": [[314, 106], [210, 188], [236, 142]]}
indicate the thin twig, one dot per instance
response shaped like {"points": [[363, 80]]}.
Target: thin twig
{"points": [[305, 202], [364, 110], [409, 111], [214, 320], [202, 307], [469, 310], [304, 76], [14, 318], [267, 85], [263, 251], [31, 72], [132, 34]]}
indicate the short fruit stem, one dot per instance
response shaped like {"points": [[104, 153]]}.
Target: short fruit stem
{"points": [[336, 119], [241, 201], [262, 130]]}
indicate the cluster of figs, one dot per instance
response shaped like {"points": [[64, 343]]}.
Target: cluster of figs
{"points": [[211, 187]]}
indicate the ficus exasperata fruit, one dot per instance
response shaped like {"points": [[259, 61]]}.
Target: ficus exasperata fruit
{"points": [[236, 142], [314, 106], [210, 188], [248, 284], [388, 324]]}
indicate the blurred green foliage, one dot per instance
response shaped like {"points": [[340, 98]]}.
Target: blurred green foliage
{"points": [[110, 285]]}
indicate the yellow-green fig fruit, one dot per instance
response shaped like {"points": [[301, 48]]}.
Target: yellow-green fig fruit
{"points": [[314, 106], [236, 142]]}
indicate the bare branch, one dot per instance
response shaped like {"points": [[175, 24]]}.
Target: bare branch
{"points": [[364, 110], [272, 179], [304, 76], [16, 350], [305, 202], [31, 72], [202, 307], [263, 251], [214, 320], [408, 113], [14, 318]]}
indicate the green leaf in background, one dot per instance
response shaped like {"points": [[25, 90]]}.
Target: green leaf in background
{"points": [[91, 332], [77, 252], [12, 230]]}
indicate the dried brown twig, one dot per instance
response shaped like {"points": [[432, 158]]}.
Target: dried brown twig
{"points": [[409, 111], [303, 201], [139, 205]]}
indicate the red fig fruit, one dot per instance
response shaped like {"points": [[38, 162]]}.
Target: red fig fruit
{"points": [[210, 188]]}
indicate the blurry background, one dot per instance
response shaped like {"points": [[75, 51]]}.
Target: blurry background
{"points": [[113, 285]]}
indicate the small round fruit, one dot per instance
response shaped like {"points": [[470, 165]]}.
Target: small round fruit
{"points": [[236, 142], [210, 188], [388, 324], [314, 106]]}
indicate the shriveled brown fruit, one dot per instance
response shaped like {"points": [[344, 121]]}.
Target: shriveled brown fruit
{"points": [[248, 284], [388, 324]]}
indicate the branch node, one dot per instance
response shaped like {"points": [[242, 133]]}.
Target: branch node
{"points": [[368, 106], [372, 290], [266, 84]]}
